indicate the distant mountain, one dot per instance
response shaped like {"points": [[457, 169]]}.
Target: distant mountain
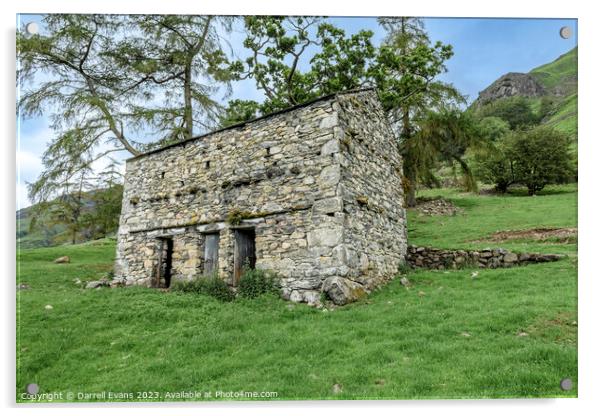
{"points": [[556, 80]]}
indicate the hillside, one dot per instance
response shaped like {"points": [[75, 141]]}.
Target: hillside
{"points": [[555, 81], [102, 206]]}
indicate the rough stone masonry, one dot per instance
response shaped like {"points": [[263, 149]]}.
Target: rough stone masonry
{"points": [[312, 193]]}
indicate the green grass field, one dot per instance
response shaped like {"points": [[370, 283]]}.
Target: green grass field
{"points": [[506, 333]]}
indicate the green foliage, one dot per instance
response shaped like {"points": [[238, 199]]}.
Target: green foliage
{"points": [[280, 46], [403, 268], [442, 136], [206, 285], [103, 76], [85, 209], [493, 128], [546, 107], [495, 166], [256, 282], [239, 111], [533, 158], [235, 216], [564, 116], [541, 157], [516, 111]]}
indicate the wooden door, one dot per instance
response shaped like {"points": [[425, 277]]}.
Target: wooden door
{"points": [[211, 253], [244, 252]]}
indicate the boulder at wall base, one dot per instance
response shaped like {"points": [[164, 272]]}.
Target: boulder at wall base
{"points": [[97, 283], [64, 259], [342, 291]]}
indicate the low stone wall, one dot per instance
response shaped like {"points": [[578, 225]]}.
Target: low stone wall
{"points": [[434, 258]]}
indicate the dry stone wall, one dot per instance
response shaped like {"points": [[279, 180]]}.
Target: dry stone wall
{"points": [[434, 258], [313, 183]]}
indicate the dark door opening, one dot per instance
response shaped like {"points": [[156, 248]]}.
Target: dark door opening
{"points": [[211, 253], [244, 252], [164, 266]]}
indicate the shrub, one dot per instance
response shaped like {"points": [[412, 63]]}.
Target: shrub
{"points": [[495, 166], [516, 111], [255, 282], [541, 156], [207, 285], [403, 268], [493, 128], [533, 158]]}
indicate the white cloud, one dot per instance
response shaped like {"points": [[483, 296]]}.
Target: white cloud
{"points": [[21, 196], [29, 165]]}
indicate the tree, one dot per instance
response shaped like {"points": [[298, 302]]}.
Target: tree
{"points": [[516, 111], [102, 218], [67, 209], [406, 77], [281, 46], [533, 158], [183, 55], [493, 128], [444, 136], [541, 157], [495, 164], [103, 76], [239, 111]]}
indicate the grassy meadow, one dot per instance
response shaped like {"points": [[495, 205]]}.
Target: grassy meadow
{"points": [[504, 333]]}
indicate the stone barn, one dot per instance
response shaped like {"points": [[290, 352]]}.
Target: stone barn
{"points": [[312, 193]]}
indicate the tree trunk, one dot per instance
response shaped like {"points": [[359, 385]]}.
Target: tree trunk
{"points": [[411, 196], [188, 100], [470, 184]]}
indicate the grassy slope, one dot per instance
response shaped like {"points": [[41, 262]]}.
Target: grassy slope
{"points": [[562, 73], [396, 344]]}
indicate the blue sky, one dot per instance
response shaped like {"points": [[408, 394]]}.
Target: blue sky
{"points": [[484, 49]]}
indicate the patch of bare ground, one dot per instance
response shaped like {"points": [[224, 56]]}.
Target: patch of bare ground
{"points": [[555, 235], [560, 328]]}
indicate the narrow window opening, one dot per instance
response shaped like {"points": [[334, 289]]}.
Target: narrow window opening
{"points": [[207, 164], [162, 175]]}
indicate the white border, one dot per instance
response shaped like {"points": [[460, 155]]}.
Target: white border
{"points": [[590, 276]]}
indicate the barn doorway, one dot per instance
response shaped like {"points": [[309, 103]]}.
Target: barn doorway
{"points": [[163, 272], [244, 252]]}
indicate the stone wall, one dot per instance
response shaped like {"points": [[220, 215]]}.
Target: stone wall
{"points": [[433, 258], [313, 183], [371, 190]]}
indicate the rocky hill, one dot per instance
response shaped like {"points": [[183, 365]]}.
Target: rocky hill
{"points": [[510, 85], [556, 81]]}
